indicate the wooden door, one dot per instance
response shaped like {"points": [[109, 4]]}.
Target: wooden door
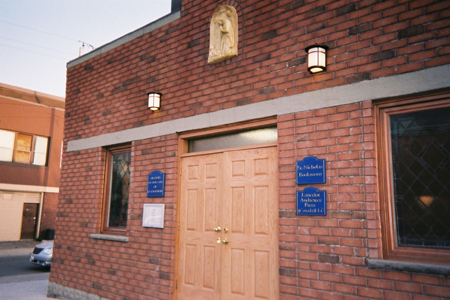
{"points": [[29, 218], [250, 214], [236, 191]]}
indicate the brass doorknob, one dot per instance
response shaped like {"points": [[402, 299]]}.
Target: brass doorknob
{"points": [[225, 241], [218, 240], [217, 229], [225, 230]]}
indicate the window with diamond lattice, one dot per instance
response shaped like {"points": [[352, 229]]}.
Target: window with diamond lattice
{"points": [[415, 179], [117, 189]]}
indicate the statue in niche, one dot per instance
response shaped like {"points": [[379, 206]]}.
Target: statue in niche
{"points": [[223, 34]]}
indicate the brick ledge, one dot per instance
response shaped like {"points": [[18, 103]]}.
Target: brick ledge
{"points": [[408, 267], [107, 237]]}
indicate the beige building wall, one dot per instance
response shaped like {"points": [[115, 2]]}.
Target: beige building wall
{"points": [[11, 204]]}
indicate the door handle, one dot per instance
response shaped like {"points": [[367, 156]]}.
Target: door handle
{"points": [[217, 229], [225, 241], [218, 240]]}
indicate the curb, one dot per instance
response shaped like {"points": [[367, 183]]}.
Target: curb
{"points": [[16, 248], [15, 252]]}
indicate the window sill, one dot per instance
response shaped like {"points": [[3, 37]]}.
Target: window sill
{"points": [[108, 237], [25, 165], [409, 267]]}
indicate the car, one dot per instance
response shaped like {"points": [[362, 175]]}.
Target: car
{"points": [[42, 254]]}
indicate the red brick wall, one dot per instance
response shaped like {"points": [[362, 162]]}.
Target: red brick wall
{"points": [[49, 210], [320, 257], [326, 257], [20, 116], [367, 39], [143, 267]]}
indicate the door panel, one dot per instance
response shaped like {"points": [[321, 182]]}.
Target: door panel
{"points": [[199, 208], [237, 270], [262, 278], [238, 191], [209, 270]]}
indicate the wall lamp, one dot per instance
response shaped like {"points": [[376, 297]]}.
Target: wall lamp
{"points": [[154, 101], [317, 58]]}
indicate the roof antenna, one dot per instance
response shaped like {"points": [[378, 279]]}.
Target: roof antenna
{"points": [[83, 45]]}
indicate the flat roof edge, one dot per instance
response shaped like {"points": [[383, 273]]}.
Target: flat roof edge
{"points": [[31, 97], [126, 38]]}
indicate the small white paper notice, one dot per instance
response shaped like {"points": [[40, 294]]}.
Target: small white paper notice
{"points": [[153, 215]]}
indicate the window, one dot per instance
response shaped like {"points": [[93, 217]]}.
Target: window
{"points": [[6, 145], [415, 179], [40, 151], [23, 148], [235, 139], [117, 189]]}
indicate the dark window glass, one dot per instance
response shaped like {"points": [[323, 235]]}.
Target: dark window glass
{"points": [[421, 163], [120, 186]]}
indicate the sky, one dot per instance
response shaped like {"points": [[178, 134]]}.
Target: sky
{"points": [[39, 37]]}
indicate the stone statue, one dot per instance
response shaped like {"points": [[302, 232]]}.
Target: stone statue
{"points": [[223, 34]]}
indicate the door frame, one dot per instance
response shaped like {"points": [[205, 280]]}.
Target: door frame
{"points": [[183, 143]]}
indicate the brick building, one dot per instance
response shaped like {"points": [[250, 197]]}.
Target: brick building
{"points": [[31, 136], [236, 219]]}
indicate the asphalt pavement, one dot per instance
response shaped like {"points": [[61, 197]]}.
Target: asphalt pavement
{"points": [[19, 279]]}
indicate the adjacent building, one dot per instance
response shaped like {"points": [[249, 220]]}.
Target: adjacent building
{"points": [[31, 135], [205, 157]]}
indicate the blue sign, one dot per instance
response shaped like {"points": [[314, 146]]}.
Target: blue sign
{"points": [[155, 184], [311, 202], [311, 170]]}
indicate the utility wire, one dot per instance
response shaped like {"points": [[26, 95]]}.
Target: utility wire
{"points": [[48, 33], [46, 48], [36, 30], [63, 58]]}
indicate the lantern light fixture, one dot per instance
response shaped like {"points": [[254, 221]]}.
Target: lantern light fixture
{"points": [[317, 58], [154, 101]]}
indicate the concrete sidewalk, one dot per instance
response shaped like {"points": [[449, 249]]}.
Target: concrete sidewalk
{"points": [[21, 247], [22, 287]]}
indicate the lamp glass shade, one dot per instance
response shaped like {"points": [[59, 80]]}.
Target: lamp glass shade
{"points": [[154, 101], [317, 58]]}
